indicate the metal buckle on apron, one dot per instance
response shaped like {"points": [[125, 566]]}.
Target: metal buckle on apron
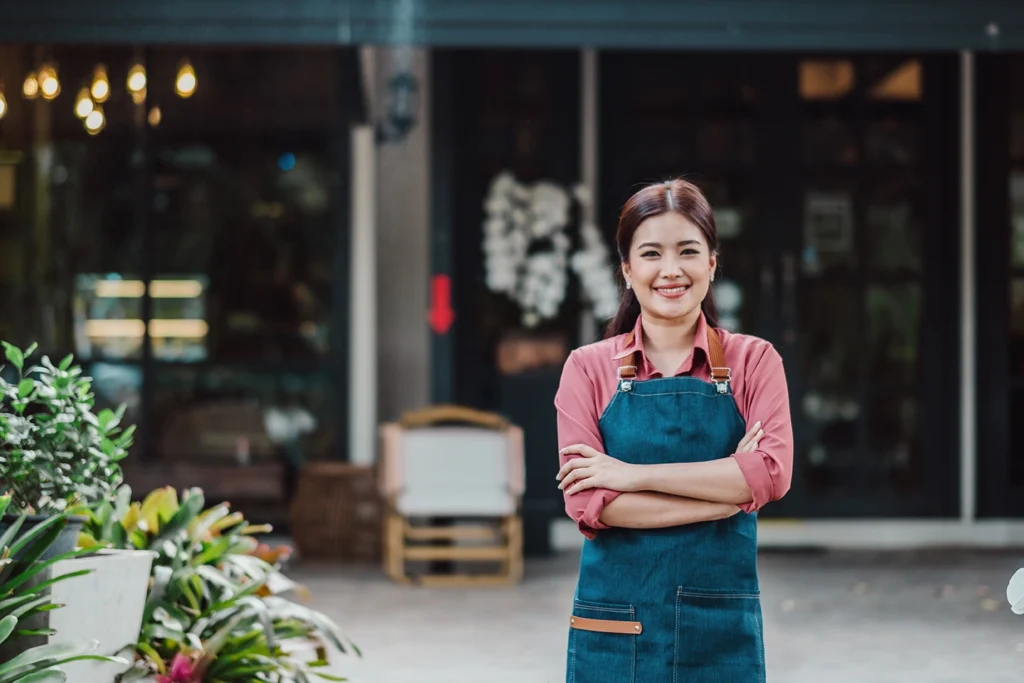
{"points": [[626, 383], [721, 383]]}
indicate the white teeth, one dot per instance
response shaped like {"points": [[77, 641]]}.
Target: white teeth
{"points": [[671, 290]]}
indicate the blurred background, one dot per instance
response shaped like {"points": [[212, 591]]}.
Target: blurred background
{"points": [[269, 227]]}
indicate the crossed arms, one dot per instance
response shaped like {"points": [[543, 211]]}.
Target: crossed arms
{"points": [[601, 491]]}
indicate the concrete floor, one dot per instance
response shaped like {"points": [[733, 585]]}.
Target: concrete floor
{"points": [[829, 617]]}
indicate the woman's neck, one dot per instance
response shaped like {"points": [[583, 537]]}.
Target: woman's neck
{"points": [[668, 336]]}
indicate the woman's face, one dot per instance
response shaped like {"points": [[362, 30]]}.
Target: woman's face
{"points": [[669, 267]]}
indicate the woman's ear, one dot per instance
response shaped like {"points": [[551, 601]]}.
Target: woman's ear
{"points": [[625, 272], [714, 265]]}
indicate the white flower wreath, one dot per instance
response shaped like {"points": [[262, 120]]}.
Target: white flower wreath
{"points": [[526, 247]]}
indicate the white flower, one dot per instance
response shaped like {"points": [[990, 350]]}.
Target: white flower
{"points": [[519, 218]]}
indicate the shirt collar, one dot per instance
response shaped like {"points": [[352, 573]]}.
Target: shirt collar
{"points": [[700, 341]]}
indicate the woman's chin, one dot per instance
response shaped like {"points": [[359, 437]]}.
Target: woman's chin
{"points": [[673, 312]]}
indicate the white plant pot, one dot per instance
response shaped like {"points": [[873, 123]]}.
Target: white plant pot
{"points": [[104, 605]]}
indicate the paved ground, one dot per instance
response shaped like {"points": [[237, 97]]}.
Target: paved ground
{"points": [[829, 618]]}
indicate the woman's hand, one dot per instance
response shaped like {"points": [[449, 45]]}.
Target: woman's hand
{"points": [[594, 469], [750, 440]]}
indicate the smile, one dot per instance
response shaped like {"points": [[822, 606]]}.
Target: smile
{"points": [[673, 292]]}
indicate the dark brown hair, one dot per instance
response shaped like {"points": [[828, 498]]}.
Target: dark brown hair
{"points": [[678, 196]]}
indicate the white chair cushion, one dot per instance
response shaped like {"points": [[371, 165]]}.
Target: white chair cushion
{"points": [[455, 471]]}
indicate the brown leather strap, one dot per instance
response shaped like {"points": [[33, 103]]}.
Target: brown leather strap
{"points": [[627, 365], [720, 372], [626, 628]]}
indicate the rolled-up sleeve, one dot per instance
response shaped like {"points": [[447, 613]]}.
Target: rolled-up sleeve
{"points": [[769, 469], [577, 410]]}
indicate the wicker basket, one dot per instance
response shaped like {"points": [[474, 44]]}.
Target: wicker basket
{"points": [[336, 513]]}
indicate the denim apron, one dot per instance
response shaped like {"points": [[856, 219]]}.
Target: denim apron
{"points": [[680, 604]]}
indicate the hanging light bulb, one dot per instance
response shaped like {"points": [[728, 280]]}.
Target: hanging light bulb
{"points": [[136, 79], [95, 121], [3, 103], [186, 82], [31, 86], [100, 89], [155, 116], [83, 103], [49, 85]]}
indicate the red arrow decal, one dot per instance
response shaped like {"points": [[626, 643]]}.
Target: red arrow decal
{"points": [[441, 314]]}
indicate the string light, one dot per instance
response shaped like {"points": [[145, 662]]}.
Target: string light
{"points": [[100, 89], [31, 86], [136, 79], [49, 84], [186, 82], [155, 116], [95, 121], [3, 101], [83, 103]]}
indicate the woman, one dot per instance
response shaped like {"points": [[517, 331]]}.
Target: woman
{"points": [[673, 433]]}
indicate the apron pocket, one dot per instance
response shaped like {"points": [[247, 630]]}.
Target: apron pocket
{"points": [[602, 643], [718, 637]]}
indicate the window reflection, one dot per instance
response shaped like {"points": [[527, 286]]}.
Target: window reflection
{"points": [[899, 82], [894, 439], [826, 79], [894, 320], [239, 416]]}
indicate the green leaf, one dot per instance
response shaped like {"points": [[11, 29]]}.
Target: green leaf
{"points": [[44, 654], [7, 625], [39, 538], [45, 676], [14, 355], [106, 419], [28, 607], [66, 363], [25, 387]]}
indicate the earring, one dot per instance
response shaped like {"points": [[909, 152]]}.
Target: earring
{"points": [[629, 285], [712, 277]]}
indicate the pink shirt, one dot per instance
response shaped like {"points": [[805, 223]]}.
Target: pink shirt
{"points": [[758, 384]]}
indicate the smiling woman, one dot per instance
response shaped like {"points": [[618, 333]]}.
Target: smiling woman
{"points": [[665, 462]]}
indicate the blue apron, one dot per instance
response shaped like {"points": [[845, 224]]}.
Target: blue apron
{"points": [[680, 604]]}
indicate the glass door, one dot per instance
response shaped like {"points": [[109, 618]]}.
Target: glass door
{"points": [[1000, 295], [833, 181], [868, 292]]}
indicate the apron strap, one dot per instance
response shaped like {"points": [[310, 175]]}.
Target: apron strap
{"points": [[720, 372], [627, 365]]}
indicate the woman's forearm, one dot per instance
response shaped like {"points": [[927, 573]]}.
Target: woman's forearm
{"points": [[647, 510], [718, 481]]}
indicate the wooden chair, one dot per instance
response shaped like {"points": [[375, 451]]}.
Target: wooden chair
{"points": [[465, 467]]}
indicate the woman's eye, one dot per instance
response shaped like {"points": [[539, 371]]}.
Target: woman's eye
{"points": [[648, 253], [690, 252]]}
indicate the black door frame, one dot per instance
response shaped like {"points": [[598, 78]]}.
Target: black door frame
{"points": [[996, 494]]}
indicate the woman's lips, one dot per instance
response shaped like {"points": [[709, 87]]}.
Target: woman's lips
{"points": [[673, 292]]}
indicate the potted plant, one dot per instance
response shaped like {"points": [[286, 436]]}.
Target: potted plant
{"points": [[25, 584], [60, 457], [217, 607], [56, 454]]}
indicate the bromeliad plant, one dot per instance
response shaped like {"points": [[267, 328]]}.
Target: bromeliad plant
{"points": [[24, 598], [55, 452], [216, 608]]}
